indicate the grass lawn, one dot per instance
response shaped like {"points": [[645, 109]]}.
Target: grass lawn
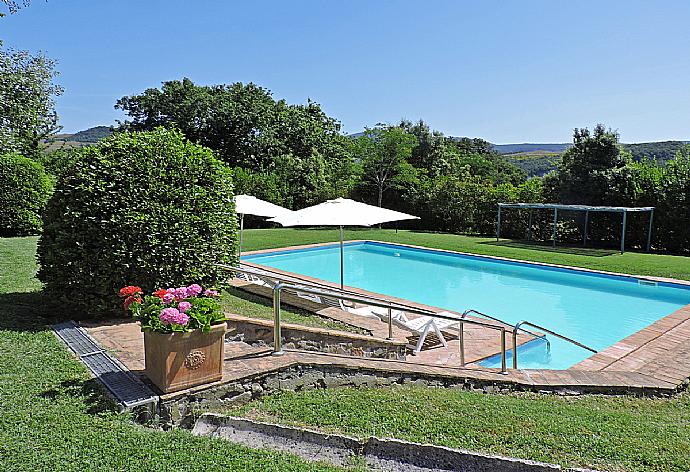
{"points": [[609, 433], [53, 416], [600, 259]]}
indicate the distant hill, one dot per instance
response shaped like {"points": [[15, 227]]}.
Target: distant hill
{"points": [[541, 158], [536, 163], [531, 147], [78, 139], [661, 150], [92, 135]]}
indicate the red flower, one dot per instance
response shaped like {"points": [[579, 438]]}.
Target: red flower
{"points": [[129, 291], [131, 299], [159, 293]]}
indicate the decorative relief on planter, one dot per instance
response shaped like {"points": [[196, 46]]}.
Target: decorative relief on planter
{"points": [[194, 360]]}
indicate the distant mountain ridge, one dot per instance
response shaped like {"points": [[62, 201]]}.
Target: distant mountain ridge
{"points": [[90, 135], [531, 147], [85, 137]]}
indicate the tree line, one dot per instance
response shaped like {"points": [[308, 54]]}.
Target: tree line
{"points": [[296, 155]]}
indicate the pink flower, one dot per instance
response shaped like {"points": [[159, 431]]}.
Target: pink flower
{"points": [[211, 293], [173, 316], [184, 306], [168, 298], [181, 293], [194, 290]]}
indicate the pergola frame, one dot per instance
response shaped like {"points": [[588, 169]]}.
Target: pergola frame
{"points": [[586, 208]]}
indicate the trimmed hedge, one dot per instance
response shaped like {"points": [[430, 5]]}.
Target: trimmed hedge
{"points": [[149, 209], [24, 191]]}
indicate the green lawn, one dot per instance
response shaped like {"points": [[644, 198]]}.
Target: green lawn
{"points": [[54, 417], [609, 260], [609, 433]]}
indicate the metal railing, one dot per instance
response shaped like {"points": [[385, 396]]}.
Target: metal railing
{"points": [[545, 330], [389, 305], [277, 283], [541, 336], [266, 273]]}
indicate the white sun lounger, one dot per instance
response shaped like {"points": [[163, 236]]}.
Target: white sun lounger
{"points": [[424, 324], [252, 278], [365, 311], [380, 312]]}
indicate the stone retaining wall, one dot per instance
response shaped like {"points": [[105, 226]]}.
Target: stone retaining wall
{"points": [[184, 410], [260, 332]]}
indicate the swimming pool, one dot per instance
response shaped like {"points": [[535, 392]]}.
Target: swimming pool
{"points": [[596, 309]]}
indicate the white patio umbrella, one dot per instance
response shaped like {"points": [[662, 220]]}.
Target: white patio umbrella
{"points": [[341, 212], [248, 205]]}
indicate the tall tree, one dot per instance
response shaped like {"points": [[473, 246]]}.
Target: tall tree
{"points": [[384, 152], [241, 122], [588, 169], [27, 105], [297, 150], [430, 151]]}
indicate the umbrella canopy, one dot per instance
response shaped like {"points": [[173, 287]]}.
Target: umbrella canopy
{"points": [[248, 205], [341, 212]]}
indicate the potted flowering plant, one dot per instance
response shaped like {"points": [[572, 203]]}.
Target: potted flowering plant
{"points": [[184, 330]]}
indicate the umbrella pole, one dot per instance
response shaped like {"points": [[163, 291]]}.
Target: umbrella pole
{"points": [[342, 278], [241, 232]]}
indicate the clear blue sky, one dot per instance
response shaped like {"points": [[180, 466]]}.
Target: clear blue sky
{"points": [[506, 71]]}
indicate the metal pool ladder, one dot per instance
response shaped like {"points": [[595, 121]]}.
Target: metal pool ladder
{"points": [[518, 327]]}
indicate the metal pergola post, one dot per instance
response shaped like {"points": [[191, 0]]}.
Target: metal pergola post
{"points": [[587, 209], [498, 224], [649, 230], [625, 217]]}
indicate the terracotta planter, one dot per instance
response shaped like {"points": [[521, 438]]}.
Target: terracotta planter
{"points": [[178, 361]]}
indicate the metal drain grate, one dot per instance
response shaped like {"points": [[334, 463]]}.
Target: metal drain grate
{"points": [[76, 338], [127, 389]]}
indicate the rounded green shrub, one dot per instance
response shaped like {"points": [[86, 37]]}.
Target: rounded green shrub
{"points": [[24, 190], [149, 209]]}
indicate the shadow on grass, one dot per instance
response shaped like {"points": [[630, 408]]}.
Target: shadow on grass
{"points": [[90, 392], [32, 312], [547, 247], [25, 311]]}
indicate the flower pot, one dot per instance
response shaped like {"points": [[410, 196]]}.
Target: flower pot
{"points": [[177, 361]]}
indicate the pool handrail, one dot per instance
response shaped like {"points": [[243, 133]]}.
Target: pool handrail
{"points": [[278, 286], [531, 333], [545, 330]]}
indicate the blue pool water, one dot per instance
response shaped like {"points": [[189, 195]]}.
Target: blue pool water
{"points": [[596, 309]]}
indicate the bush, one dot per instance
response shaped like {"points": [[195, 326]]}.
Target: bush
{"points": [[24, 190], [148, 209]]}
